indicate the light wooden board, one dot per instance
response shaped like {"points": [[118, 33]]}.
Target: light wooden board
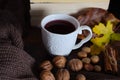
{"points": [[68, 0], [40, 10]]}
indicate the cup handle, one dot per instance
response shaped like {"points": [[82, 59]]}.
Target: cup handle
{"points": [[78, 45]]}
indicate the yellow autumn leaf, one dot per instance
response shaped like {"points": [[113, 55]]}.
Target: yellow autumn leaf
{"points": [[103, 34]]}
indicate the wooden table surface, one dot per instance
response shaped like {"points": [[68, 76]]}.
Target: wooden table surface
{"points": [[35, 47]]}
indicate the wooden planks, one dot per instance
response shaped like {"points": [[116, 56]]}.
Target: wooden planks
{"points": [[39, 10], [68, 0]]}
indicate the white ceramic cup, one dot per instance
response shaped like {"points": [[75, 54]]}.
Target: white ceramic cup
{"points": [[63, 44]]}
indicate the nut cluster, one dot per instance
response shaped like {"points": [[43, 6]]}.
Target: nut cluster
{"points": [[84, 61], [58, 62], [89, 61]]}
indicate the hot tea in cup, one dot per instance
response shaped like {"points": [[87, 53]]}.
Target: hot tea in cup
{"points": [[60, 27]]}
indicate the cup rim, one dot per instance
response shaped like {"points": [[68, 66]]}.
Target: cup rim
{"points": [[76, 27]]}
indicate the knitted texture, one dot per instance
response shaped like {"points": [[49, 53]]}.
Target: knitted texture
{"points": [[15, 63]]}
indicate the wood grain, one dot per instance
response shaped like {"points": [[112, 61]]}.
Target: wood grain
{"points": [[69, 0]]}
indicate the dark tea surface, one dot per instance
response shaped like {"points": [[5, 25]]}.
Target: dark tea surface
{"points": [[60, 27]]}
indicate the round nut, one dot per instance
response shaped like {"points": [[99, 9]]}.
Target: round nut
{"points": [[82, 54], [46, 65], [86, 49], [80, 77], [62, 74], [97, 68], [46, 75], [59, 61], [94, 59], [86, 60], [75, 64], [88, 67]]}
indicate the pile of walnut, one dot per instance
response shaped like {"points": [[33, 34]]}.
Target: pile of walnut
{"points": [[89, 63]]}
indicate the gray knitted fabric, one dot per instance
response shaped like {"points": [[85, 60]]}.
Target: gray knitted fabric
{"points": [[15, 63]]}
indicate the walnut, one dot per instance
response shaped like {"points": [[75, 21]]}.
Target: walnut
{"points": [[97, 68], [86, 60], [80, 77], [62, 74], [95, 59], [86, 49], [82, 54], [46, 65], [75, 64], [88, 67], [59, 61], [46, 75]]}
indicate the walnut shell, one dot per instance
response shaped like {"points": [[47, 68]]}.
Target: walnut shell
{"points": [[62, 74], [46, 75], [86, 49], [82, 54], [86, 60], [80, 77], [46, 65], [95, 59], [97, 68], [88, 67], [75, 64], [59, 61]]}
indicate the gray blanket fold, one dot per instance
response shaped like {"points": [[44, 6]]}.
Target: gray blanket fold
{"points": [[15, 63]]}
